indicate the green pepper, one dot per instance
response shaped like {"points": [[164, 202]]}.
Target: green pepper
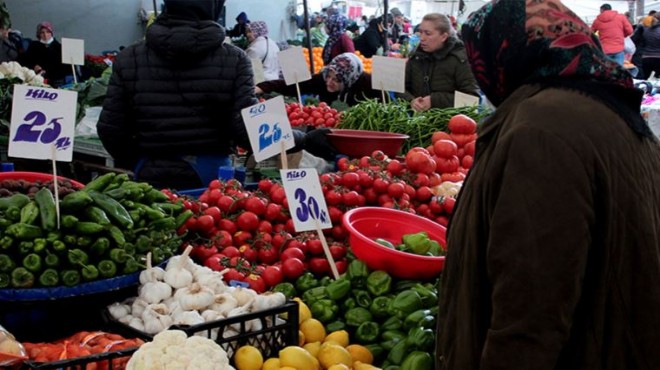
{"points": [[100, 246], [419, 319], [417, 360], [167, 223], [131, 266], [136, 215], [388, 345], [157, 256], [167, 208], [384, 242], [6, 263], [4, 222], [287, 289], [52, 260], [53, 236], [29, 213], [40, 245], [335, 326], [143, 244], [107, 269], [113, 209], [379, 306], [435, 249], [429, 297], [22, 278], [357, 273], [89, 272], [88, 228], [397, 335], [5, 280], [97, 215], [338, 289], [100, 182], [154, 195], [117, 235], [421, 339], [13, 213], [182, 218], [402, 285], [324, 310], [418, 243], [59, 246], [46, 202], [367, 332], [75, 201], [70, 277], [362, 298], [314, 294], [405, 303], [152, 214], [325, 281], [398, 353], [24, 231], [70, 240], [17, 200], [25, 247], [391, 367], [69, 221], [356, 316], [130, 248], [377, 351], [32, 262], [49, 278], [77, 257], [379, 283], [348, 303], [84, 241], [6, 242]]}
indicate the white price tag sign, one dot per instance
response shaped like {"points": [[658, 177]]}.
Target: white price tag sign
{"points": [[305, 197], [388, 74], [73, 51], [294, 66], [40, 119], [268, 127], [464, 100]]}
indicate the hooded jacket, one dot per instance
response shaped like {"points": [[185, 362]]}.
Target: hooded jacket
{"points": [[439, 74], [179, 92], [371, 39], [612, 28]]}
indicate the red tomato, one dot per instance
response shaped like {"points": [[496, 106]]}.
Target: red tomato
{"points": [[265, 185], [370, 196], [213, 196], [248, 252], [226, 204], [272, 211], [447, 165], [333, 198], [395, 190], [255, 205], [203, 252], [233, 274], [342, 164], [462, 124], [418, 161], [445, 148], [268, 255], [319, 265], [337, 251], [380, 185], [292, 253], [191, 223], [279, 239], [350, 180], [470, 147], [293, 268], [315, 247], [214, 212], [351, 198], [241, 237], [278, 196], [272, 275], [339, 232], [214, 262], [335, 215], [421, 179], [439, 135], [256, 283], [461, 139], [395, 167], [423, 194], [240, 263], [222, 239], [231, 252], [341, 266], [365, 179], [378, 155], [205, 223], [247, 221], [448, 204], [265, 227], [467, 161], [453, 177], [434, 179]]}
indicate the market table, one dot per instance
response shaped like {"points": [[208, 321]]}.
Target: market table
{"points": [[93, 147]]}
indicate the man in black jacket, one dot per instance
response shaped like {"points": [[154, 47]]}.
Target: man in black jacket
{"points": [[173, 107]]}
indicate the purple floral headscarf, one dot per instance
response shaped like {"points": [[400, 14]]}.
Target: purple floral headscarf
{"points": [[336, 24], [258, 28], [347, 67]]}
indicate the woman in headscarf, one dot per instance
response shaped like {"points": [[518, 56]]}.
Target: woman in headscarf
{"points": [[438, 67], [239, 28], [343, 79], [338, 41], [263, 49], [553, 246], [372, 38], [44, 55]]}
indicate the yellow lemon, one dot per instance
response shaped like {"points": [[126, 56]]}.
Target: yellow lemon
{"points": [[339, 367], [313, 330], [301, 338], [357, 365], [271, 364], [287, 368], [313, 348], [297, 358], [248, 358], [303, 311], [360, 353], [331, 354], [339, 336]]}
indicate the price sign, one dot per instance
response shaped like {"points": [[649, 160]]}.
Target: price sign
{"points": [[294, 66], [306, 202], [464, 100], [40, 119], [73, 51], [268, 127], [388, 74]]}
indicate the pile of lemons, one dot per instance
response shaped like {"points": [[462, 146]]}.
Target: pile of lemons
{"points": [[316, 350]]}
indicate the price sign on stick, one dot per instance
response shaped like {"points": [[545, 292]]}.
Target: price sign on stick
{"points": [[294, 67], [73, 51], [305, 197], [464, 100], [388, 74], [40, 119], [267, 127]]}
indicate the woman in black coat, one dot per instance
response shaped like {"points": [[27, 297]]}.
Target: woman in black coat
{"points": [[372, 38]]}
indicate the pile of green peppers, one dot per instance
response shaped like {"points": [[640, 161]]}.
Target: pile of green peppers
{"points": [[394, 319], [417, 243], [105, 230]]}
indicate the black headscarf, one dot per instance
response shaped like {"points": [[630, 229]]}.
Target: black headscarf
{"points": [[203, 10]]}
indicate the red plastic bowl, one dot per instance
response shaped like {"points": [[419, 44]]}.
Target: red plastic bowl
{"points": [[365, 224], [358, 143], [37, 176]]}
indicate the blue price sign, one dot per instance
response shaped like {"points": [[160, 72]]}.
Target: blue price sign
{"points": [[42, 118], [268, 128], [306, 200]]}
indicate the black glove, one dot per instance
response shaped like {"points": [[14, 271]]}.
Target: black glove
{"points": [[316, 143]]}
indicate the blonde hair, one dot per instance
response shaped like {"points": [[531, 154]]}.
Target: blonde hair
{"points": [[440, 22]]}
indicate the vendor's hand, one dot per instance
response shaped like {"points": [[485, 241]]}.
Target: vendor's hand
{"points": [[316, 143], [421, 104], [257, 90], [395, 46], [37, 69]]}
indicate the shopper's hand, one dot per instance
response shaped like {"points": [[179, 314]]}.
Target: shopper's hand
{"points": [[421, 104], [257, 90], [316, 143]]}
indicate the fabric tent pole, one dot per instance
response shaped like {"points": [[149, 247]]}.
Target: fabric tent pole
{"points": [[309, 37], [387, 31]]}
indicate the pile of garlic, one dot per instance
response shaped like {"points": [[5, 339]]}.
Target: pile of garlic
{"points": [[185, 293], [13, 69]]}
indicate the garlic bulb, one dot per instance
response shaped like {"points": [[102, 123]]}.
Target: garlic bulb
{"points": [[118, 310], [212, 315], [214, 281], [268, 300], [156, 318], [173, 305], [176, 274], [243, 295], [199, 271], [136, 323], [138, 306], [188, 318], [151, 274], [155, 291], [223, 303], [240, 310], [126, 319], [196, 297]]}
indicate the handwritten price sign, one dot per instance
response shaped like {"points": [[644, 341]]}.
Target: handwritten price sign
{"points": [[303, 190], [268, 127], [40, 119]]}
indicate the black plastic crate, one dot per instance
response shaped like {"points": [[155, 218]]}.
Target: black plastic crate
{"points": [[100, 361], [269, 340]]}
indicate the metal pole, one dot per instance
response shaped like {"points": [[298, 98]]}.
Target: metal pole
{"points": [[309, 37], [155, 8], [387, 32]]}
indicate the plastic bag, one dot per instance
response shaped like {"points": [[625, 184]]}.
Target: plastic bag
{"points": [[629, 46], [87, 126], [11, 350]]}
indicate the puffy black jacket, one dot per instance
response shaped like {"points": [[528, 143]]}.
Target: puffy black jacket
{"points": [[178, 93]]}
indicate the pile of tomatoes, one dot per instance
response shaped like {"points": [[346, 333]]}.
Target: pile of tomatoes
{"points": [[310, 115]]}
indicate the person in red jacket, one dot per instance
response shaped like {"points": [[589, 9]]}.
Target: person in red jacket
{"points": [[612, 29]]}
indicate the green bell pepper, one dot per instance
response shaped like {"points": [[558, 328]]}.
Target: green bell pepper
{"points": [[367, 332], [335, 326], [357, 273], [391, 367], [89, 272], [397, 335], [306, 282], [417, 360], [5, 280], [398, 353], [338, 289], [388, 345], [429, 296], [287, 289], [348, 304], [6, 263], [356, 316], [379, 306], [419, 319], [77, 257], [70, 277], [107, 268], [421, 339], [59, 246], [379, 283], [418, 243], [435, 250], [52, 260], [49, 278], [131, 266], [40, 245], [362, 298], [393, 323], [25, 247], [22, 278], [324, 310], [33, 262], [6, 242], [314, 294], [377, 351], [405, 303], [325, 281]]}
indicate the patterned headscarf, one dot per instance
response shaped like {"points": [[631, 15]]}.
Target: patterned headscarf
{"points": [[513, 42], [258, 28], [347, 67], [336, 24], [44, 25]]}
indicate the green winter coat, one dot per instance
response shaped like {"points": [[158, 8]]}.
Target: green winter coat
{"points": [[447, 70]]}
